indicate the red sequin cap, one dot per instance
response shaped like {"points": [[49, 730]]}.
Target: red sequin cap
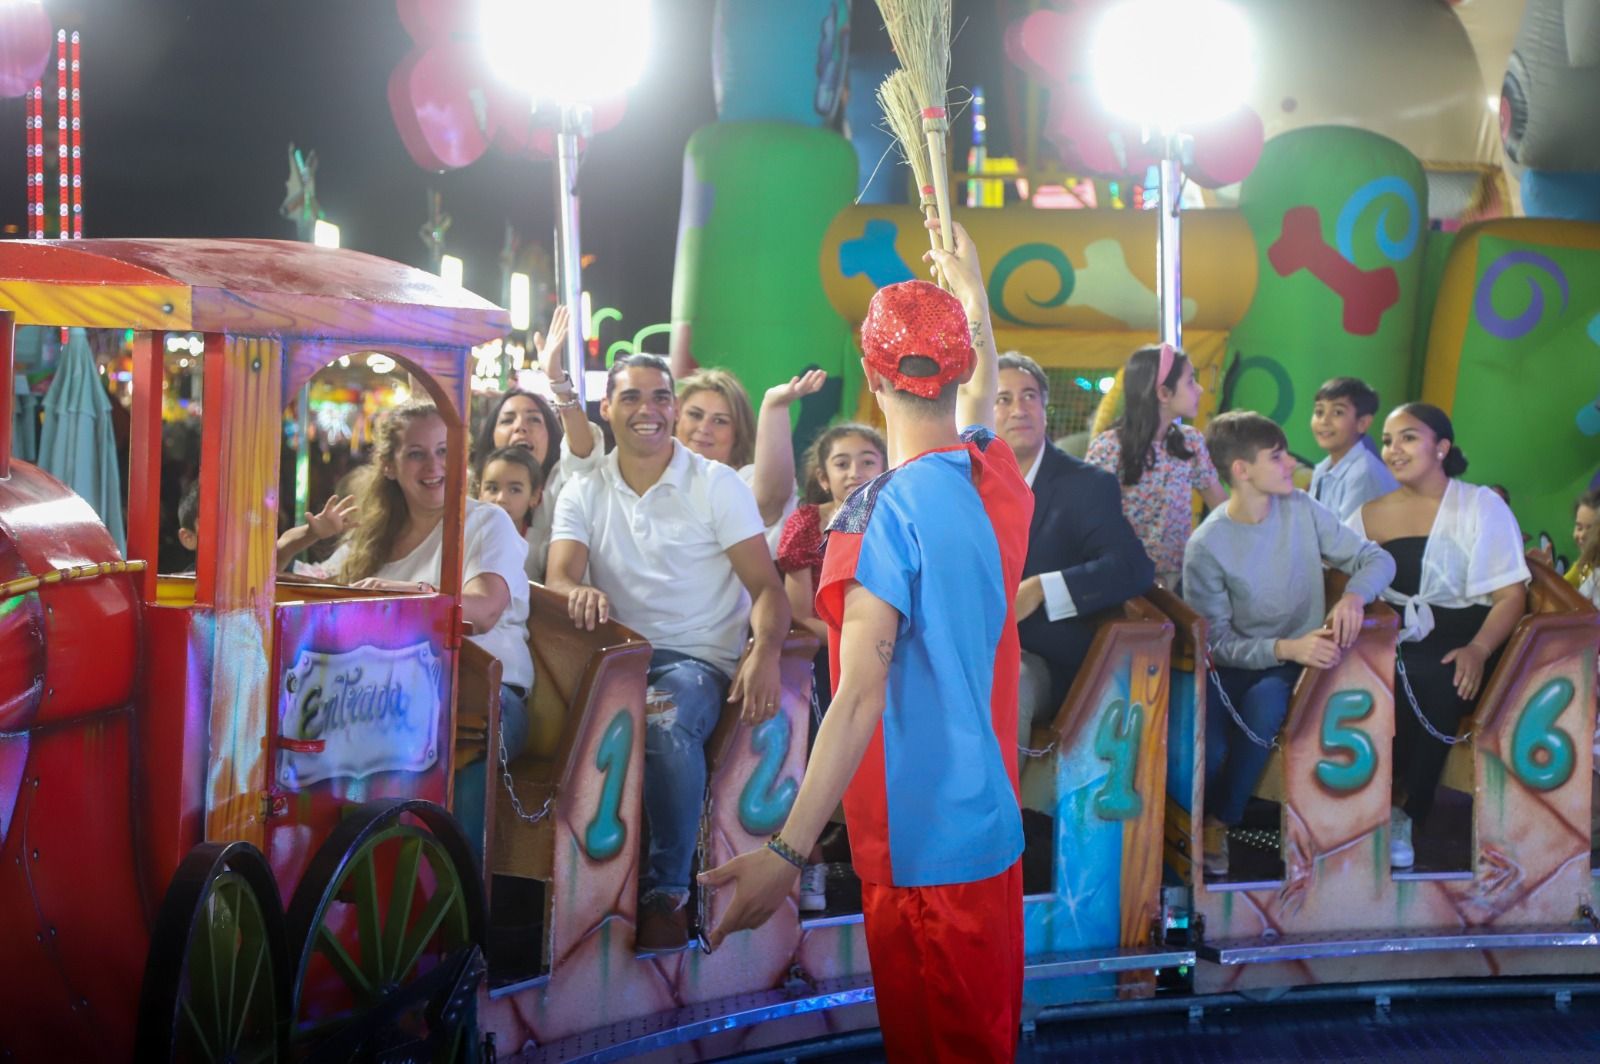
{"points": [[917, 318]]}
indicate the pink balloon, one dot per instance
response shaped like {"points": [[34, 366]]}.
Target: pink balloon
{"points": [[1226, 152], [431, 95], [25, 40]]}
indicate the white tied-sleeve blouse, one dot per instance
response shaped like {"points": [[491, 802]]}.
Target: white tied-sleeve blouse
{"points": [[1474, 548]]}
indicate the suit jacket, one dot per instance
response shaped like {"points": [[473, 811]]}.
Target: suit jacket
{"points": [[1079, 530]]}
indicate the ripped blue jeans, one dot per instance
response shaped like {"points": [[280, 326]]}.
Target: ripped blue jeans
{"points": [[675, 765]]}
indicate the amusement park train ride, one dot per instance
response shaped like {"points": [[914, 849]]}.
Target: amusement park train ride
{"points": [[224, 826]]}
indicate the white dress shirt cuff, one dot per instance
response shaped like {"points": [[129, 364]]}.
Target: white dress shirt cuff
{"points": [[1058, 604]]}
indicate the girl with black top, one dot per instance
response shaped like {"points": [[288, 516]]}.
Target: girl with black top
{"points": [[1460, 579]]}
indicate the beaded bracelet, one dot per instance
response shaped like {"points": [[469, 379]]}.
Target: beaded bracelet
{"points": [[787, 852]]}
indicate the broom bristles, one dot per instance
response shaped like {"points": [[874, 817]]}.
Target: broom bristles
{"points": [[898, 100], [919, 31]]}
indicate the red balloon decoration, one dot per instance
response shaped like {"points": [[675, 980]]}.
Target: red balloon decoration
{"points": [[25, 40], [1052, 47], [448, 107]]}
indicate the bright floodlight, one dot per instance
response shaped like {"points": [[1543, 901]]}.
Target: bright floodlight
{"points": [[1172, 64], [324, 234], [521, 302], [568, 51], [452, 269]]}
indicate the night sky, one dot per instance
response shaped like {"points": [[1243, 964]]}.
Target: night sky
{"points": [[189, 105]]}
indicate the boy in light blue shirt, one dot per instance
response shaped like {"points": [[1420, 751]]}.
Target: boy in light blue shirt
{"points": [[1352, 475]]}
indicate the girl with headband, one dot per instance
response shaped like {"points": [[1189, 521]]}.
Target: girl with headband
{"points": [[1158, 459]]}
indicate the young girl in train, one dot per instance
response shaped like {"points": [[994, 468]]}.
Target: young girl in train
{"points": [[1460, 579], [1159, 460], [841, 460], [512, 479]]}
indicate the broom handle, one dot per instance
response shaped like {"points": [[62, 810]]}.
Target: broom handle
{"points": [[935, 126], [930, 210]]}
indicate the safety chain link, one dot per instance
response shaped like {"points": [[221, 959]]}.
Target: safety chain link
{"points": [[1422, 719], [1036, 753], [1227, 703], [516, 803]]}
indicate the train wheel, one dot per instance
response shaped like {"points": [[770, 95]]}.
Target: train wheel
{"points": [[388, 921], [216, 981]]}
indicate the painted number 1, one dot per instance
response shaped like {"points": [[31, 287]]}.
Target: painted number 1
{"points": [[605, 834], [1117, 741], [1542, 755]]}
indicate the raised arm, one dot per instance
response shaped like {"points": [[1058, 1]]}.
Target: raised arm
{"points": [[336, 517], [774, 479], [964, 274], [760, 879], [575, 428]]}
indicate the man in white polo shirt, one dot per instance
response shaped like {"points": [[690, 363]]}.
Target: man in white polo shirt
{"points": [[672, 545]]}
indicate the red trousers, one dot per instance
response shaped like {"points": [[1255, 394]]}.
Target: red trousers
{"points": [[947, 968]]}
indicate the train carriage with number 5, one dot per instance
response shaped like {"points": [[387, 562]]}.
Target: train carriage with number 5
{"points": [[225, 826]]}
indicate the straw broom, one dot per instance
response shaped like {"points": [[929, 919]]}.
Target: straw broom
{"points": [[919, 30], [898, 102]]}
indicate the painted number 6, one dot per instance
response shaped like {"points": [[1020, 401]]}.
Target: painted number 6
{"points": [[1542, 754]]}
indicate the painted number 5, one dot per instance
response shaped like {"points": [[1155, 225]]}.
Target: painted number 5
{"points": [[1354, 769], [1542, 755]]}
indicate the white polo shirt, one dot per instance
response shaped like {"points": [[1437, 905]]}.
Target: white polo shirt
{"points": [[660, 558]]}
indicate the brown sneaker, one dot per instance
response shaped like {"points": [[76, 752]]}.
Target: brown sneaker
{"points": [[663, 926]]}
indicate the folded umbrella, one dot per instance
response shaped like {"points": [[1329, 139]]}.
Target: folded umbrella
{"points": [[76, 445]]}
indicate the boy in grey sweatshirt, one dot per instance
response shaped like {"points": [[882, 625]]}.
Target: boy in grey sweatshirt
{"points": [[1253, 570]]}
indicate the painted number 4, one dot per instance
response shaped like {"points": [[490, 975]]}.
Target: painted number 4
{"points": [[1117, 741]]}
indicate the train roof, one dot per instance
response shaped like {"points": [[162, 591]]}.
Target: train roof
{"points": [[276, 288]]}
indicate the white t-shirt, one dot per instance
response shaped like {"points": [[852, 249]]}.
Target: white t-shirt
{"points": [[492, 546], [541, 517], [774, 531], [661, 557]]}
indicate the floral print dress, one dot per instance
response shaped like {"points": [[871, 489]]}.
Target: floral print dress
{"points": [[1161, 506]]}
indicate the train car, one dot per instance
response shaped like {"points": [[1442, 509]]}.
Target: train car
{"points": [[224, 796], [224, 826]]}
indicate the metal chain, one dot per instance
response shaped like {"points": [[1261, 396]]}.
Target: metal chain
{"points": [[516, 803], [1227, 703], [1036, 753], [1422, 719]]}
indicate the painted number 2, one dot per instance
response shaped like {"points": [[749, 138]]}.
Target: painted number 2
{"points": [[765, 801], [606, 833], [1542, 755], [1117, 741], [1338, 737]]}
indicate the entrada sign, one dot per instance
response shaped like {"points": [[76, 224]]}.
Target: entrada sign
{"points": [[353, 714]]}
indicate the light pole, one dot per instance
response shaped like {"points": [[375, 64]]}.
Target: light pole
{"points": [[1172, 65], [569, 55]]}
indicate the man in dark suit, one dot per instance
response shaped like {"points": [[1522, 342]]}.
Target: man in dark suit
{"points": [[1083, 556]]}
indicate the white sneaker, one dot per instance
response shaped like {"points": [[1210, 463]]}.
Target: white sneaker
{"points": [[1401, 853], [813, 888]]}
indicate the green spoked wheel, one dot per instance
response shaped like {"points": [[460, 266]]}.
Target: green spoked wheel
{"points": [[216, 981], [388, 921]]}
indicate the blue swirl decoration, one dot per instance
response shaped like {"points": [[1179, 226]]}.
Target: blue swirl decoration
{"points": [[1503, 328], [1015, 259], [1361, 199]]}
